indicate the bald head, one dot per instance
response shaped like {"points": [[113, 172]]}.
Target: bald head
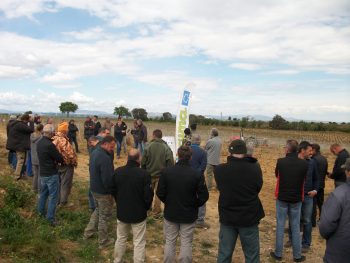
{"points": [[336, 148], [134, 155]]}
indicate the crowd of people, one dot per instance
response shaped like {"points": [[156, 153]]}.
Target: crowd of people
{"points": [[152, 176]]}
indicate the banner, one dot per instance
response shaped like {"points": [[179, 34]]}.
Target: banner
{"points": [[182, 118]]}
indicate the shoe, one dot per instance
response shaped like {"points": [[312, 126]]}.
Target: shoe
{"points": [[107, 243], [301, 259], [288, 244], [273, 255], [203, 225], [305, 249], [53, 223]]}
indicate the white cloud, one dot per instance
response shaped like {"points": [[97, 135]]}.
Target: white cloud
{"points": [[7, 71], [245, 66]]}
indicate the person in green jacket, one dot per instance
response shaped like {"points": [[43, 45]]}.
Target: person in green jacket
{"points": [[157, 156]]}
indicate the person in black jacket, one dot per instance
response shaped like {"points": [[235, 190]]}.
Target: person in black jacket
{"points": [[89, 130], [49, 158], [290, 172], [134, 194], [322, 168], [239, 182], [182, 189], [101, 184], [120, 135], [97, 125], [12, 160], [19, 141], [72, 134], [338, 174]]}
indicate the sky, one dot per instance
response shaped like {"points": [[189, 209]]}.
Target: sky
{"points": [[252, 57]]}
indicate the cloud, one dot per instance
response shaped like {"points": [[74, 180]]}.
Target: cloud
{"points": [[7, 71], [245, 66]]}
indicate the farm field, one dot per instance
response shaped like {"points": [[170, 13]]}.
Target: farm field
{"points": [[65, 244]]}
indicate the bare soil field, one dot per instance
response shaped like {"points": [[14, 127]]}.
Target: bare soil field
{"points": [[205, 241]]}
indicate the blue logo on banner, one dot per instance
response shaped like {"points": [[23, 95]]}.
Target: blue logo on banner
{"points": [[185, 98]]}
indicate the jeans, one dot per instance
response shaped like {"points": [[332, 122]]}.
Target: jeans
{"points": [[171, 232], [306, 215], [48, 190], [119, 145], [141, 147], [139, 240], [293, 210], [29, 170], [249, 237], [201, 214], [12, 159]]}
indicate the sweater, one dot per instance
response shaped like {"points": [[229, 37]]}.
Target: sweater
{"points": [[213, 149], [157, 155], [48, 157], [182, 189], [101, 171], [290, 172], [133, 193], [335, 224], [239, 182]]}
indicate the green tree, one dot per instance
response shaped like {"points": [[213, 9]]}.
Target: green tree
{"points": [[67, 107], [122, 111], [139, 113], [167, 116], [278, 123]]}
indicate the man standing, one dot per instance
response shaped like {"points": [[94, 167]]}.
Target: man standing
{"points": [[48, 157], [156, 157], [213, 149], [239, 182], [142, 136], [66, 170], [322, 168], [35, 137], [120, 135], [290, 172], [11, 154], [19, 141], [182, 189], [101, 185], [335, 222], [134, 194], [89, 129], [199, 162], [338, 174], [97, 125], [72, 134]]}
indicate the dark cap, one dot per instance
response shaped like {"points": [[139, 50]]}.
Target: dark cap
{"points": [[237, 147]]}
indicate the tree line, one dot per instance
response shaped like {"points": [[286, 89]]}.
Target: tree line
{"points": [[277, 122]]}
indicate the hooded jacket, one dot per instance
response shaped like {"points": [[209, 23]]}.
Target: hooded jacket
{"points": [[19, 136], [239, 182], [34, 139], [64, 147]]}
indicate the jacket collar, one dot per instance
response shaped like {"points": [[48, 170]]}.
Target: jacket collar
{"points": [[183, 162], [132, 163], [292, 155], [244, 159]]}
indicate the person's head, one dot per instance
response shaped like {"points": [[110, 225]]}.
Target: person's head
{"points": [[49, 120], [135, 124], [237, 148], [88, 118], [95, 118], [305, 150], [346, 167], [63, 127], [119, 121], [134, 155], [139, 122], [214, 132], [48, 130], [108, 143], [291, 146], [39, 128], [157, 134], [103, 132], [315, 148], [187, 131], [93, 141], [71, 122], [25, 117], [193, 127], [184, 153], [13, 117], [336, 148], [196, 139]]}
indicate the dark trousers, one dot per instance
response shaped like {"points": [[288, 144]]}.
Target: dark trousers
{"points": [[318, 202], [74, 140]]}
